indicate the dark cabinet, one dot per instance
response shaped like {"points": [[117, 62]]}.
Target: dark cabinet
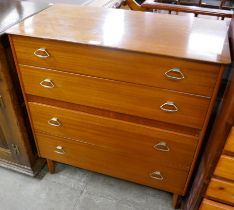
{"points": [[17, 150]]}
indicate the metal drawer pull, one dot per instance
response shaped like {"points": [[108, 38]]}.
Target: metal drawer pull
{"points": [[156, 175], [59, 150], [41, 53], [47, 83], [162, 146], [54, 122], [174, 71], [171, 104]]}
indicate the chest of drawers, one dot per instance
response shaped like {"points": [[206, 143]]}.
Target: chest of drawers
{"points": [[104, 96], [220, 191]]}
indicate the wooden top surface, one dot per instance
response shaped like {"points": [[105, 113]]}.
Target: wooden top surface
{"points": [[169, 35], [12, 12]]}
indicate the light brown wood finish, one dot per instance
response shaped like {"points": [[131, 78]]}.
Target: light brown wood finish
{"points": [[221, 190], [118, 29], [225, 167], [199, 78], [212, 205], [96, 159], [174, 128], [229, 146], [127, 138], [215, 142], [116, 96], [133, 5]]}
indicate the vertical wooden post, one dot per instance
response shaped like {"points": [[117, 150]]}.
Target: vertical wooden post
{"points": [[51, 166], [176, 201]]}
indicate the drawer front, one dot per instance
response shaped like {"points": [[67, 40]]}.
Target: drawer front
{"points": [[197, 78], [225, 167], [93, 158], [143, 142], [221, 190], [229, 147], [212, 205], [116, 96]]}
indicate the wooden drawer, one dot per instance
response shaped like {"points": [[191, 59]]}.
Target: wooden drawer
{"points": [[199, 78], [212, 205], [221, 190], [229, 147], [140, 141], [225, 167], [117, 96], [106, 162]]}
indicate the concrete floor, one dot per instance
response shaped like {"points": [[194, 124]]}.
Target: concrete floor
{"points": [[76, 189]]}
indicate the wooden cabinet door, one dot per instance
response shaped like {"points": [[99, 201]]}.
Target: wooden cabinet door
{"points": [[13, 135], [5, 152], [3, 142], [5, 107], [17, 150]]}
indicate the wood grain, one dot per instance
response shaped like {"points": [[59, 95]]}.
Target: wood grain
{"points": [[215, 143], [118, 136], [221, 190], [113, 64], [212, 205], [229, 146], [130, 30], [118, 116], [13, 122], [116, 96], [15, 130], [95, 159], [225, 167], [3, 142], [103, 83]]}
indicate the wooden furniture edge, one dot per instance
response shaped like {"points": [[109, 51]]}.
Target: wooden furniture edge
{"points": [[22, 87], [24, 169], [216, 141], [187, 9], [205, 125]]}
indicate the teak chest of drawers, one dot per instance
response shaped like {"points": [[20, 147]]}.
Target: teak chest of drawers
{"points": [[220, 191], [110, 91]]}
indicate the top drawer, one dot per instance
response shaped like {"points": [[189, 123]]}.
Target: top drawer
{"points": [[169, 73]]}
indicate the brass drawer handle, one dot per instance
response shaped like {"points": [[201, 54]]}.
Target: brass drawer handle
{"points": [[162, 146], [47, 83], [54, 121], [156, 175], [41, 53], [178, 75], [173, 107], [59, 150]]}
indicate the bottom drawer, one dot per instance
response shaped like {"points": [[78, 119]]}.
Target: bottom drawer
{"points": [[221, 190], [95, 159], [212, 205]]}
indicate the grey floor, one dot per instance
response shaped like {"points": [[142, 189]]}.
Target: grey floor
{"points": [[76, 189]]}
